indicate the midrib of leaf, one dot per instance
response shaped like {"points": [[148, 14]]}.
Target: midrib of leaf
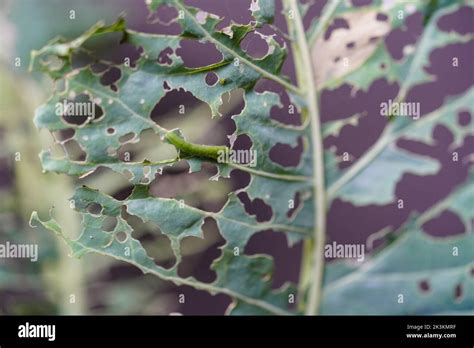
{"points": [[163, 132], [306, 82], [243, 59]]}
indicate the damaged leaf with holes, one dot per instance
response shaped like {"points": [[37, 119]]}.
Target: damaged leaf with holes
{"points": [[126, 106], [127, 110]]}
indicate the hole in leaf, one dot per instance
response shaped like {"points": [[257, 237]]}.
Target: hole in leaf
{"points": [[148, 147], [424, 286], [243, 142], [437, 227], [285, 155], [64, 134], [80, 60], [196, 54], [199, 253], [240, 179], [350, 45], [94, 208], [211, 78], [158, 246], [98, 113], [79, 111], [262, 211], [109, 223], [57, 149], [381, 17], [111, 76], [406, 35], [53, 62], [287, 113], [121, 237], [456, 20], [464, 118], [179, 109], [99, 68], [337, 23], [164, 56], [458, 292], [195, 189], [164, 15], [123, 193], [254, 45], [232, 102], [242, 152], [73, 151], [174, 104], [138, 226], [75, 120], [126, 138], [286, 259], [106, 180], [107, 47]]}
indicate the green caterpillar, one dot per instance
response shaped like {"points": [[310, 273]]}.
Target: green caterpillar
{"points": [[187, 148]]}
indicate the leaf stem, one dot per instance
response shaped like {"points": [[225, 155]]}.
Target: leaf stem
{"points": [[305, 76]]}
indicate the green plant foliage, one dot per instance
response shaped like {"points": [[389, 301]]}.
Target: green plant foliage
{"points": [[415, 257], [372, 288]]}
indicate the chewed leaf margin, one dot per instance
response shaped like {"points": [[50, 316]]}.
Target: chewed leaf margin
{"points": [[127, 108]]}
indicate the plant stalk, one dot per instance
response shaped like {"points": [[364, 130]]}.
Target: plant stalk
{"points": [[314, 249]]}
